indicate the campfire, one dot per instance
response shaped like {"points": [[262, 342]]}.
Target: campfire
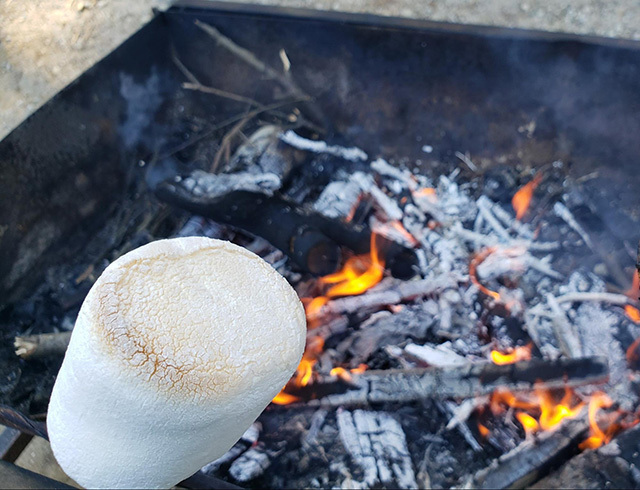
{"points": [[467, 325], [486, 326]]}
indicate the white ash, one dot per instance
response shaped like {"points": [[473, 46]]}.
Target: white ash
{"points": [[582, 282], [596, 327], [447, 252], [392, 232], [338, 198], [492, 223], [386, 329], [563, 212], [250, 465], [377, 444], [403, 177], [565, 331], [538, 323], [514, 260], [523, 230], [352, 154], [441, 355], [210, 185], [453, 201], [317, 421]]}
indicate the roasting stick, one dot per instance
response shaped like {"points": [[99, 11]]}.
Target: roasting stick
{"points": [[42, 345]]}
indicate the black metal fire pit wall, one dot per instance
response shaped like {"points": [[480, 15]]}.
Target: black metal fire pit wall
{"points": [[389, 86]]}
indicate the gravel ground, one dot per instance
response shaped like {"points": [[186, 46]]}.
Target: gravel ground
{"points": [[45, 44]]}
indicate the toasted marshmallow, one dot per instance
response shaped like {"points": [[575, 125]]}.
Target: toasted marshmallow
{"points": [[177, 349]]}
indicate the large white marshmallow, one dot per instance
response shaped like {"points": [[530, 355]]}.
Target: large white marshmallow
{"points": [[177, 349]]}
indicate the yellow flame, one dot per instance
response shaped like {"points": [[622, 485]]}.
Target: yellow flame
{"points": [[518, 354]]}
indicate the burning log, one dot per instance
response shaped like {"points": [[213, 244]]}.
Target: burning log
{"points": [[611, 466], [531, 459], [377, 443], [310, 239], [398, 293], [465, 381], [42, 345]]}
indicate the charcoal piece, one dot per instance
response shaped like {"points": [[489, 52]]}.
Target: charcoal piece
{"points": [[311, 240], [533, 458], [614, 465], [500, 183]]}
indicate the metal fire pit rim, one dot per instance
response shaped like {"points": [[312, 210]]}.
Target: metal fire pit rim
{"points": [[394, 22]]}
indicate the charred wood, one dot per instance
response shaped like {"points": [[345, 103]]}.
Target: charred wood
{"points": [[470, 380], [374, 300], [533, 458], [310, 239], [377, 444], [614, 465]]}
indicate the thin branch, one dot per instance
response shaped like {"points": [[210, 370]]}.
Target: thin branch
{"points": [[183, 69], [251, 59], [220, 93], [224, 148]]}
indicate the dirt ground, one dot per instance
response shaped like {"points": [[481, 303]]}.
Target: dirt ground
{"points": [[45, 44]]}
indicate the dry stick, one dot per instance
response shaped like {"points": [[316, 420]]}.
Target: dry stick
{"points": [[221, 93], [251, 59], [472, 379], [613, 298], [195, 84], [42, 345]]}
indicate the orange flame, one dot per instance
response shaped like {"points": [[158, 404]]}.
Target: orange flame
{"points": [[552, 413], [522, 198], [484, 431], [634, 290], [341, 373], [283, 398], [632, 351], [345, 375], [529, 424], [473, 275], [359, 274], [540, 403], [518, 354], [360, 369], [428, 192], [598, 437], [304, 372], [633, 313]]}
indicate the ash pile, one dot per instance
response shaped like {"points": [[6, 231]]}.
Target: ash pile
{"points": [[471, 329]]}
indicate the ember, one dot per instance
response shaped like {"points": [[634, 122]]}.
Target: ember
{"points": [[522, 199], [518, 354]]}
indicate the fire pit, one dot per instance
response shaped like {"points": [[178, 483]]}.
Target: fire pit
{"points": [[455, 206]]}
